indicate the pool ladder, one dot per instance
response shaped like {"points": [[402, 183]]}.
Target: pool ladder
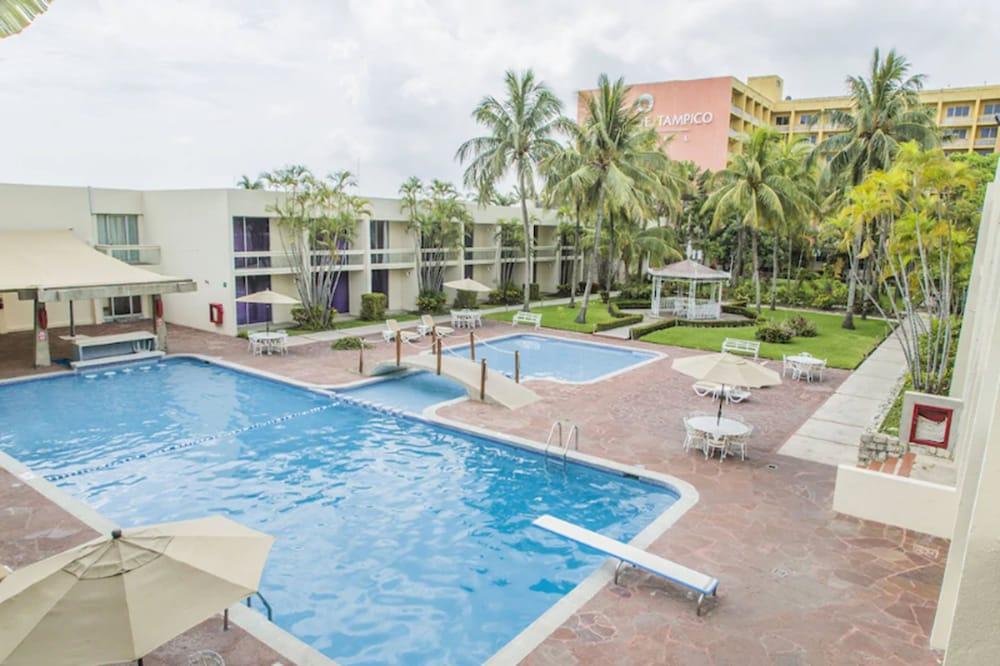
{"points": [[572, 435], [267, 610]]}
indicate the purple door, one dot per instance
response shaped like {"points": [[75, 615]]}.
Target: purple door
{"points": [[252, 313], [341, 300]]}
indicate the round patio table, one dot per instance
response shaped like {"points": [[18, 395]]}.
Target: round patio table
{"points": [[724, 428], [806, 363], [267, 339]]}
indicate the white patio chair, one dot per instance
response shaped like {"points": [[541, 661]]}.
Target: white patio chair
{"points": [[280, 344], [786, 365], [818, 369], [739, 443], [715, 443], [693, 438]]}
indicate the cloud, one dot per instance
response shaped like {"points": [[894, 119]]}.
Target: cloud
{"points": [[192, 93]]}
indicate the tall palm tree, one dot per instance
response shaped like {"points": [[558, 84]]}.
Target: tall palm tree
{"points": [[799, 200], [247, 183], [573, 201], [622, 162], [522, 130], [756, 189], [16, 15], [885, 112]]}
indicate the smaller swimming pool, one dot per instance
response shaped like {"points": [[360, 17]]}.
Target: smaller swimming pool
{"points": [[412, 392], [557, 359]]}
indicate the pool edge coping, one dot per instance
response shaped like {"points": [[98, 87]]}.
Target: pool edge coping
{"points": [[524, 642]]}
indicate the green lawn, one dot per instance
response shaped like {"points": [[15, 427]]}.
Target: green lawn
{"points": [[340, 324], [841, 347], [563, 316]]}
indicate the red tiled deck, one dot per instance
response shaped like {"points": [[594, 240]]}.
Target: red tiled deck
{"points": [[799, 583]]}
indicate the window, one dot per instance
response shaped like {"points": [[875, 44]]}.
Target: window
{"points": [[807, 118], [781, 121], [956, 134], [252, 313], [991, 108], [252, 234], [123, 307], [988, 132], [119, 230], [957, 111]]}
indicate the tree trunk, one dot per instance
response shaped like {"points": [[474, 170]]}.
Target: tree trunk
{"points": [[738, 259], [774, 274], [576, 253], [527, 244], [756, 268], [581, 317], [852, 285], [612, 262]]}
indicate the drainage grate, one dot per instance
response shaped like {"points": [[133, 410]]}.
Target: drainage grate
{"points": [[772, 466]]}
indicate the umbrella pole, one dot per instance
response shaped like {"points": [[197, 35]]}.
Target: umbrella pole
{"points": [[722, 398]]}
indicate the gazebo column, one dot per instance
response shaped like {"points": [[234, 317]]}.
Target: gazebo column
{"points": [[655, 305], [159, 325], [43, 357]]}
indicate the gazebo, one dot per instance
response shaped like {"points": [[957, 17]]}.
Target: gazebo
{"points": [[685, 303]]}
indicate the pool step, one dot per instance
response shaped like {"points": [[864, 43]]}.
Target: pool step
{"points": [[97, 363]]}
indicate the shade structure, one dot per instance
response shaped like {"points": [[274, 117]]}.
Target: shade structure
{"points": [[268, 297], [467, 284], [120, 596], [727, 370]]}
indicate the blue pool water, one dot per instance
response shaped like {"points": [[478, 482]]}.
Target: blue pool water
{"points": [[412, 392], [397, 541], [544, 357]]}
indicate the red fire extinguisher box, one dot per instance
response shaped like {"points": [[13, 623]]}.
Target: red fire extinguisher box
{"points": [[215, 313]]}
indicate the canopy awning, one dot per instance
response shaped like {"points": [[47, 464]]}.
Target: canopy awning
{"points": [[689, 270], [58, 266]]}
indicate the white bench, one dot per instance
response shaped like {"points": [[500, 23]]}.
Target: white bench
{"points": [[700, 583], [530, 318], [737, 346]]}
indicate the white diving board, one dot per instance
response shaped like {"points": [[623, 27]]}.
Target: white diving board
{"points": [[700, 583]]}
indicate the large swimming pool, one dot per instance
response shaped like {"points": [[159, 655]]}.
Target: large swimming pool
{"points": [[397, 541], [559, 359]]}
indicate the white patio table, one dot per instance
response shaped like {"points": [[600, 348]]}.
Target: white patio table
{"points": [[723, 428], [806, 365]]}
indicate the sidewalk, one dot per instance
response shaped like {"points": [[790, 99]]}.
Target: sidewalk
{"points": [[831, 434]]}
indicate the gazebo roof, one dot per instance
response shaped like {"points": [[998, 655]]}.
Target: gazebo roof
{"points": [[689, 270]]}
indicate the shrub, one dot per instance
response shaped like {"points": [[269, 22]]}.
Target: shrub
{"points": [[594, 287], [741, 310], [631, 304], [373, 306], [313, 318], [352, 342], [637, 291], [768, 331], [801, 326], [626, 320], [563, 290], [506, 294], [605, 296], [466, 300], [431, 301], [534, 291], [645, 329]]}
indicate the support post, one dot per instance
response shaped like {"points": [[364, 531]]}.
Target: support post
{"points": [[399, 347], [159, 326], [72, 321], [472, 345], [361, 358], [517, 366], [482, 382], [43, 357], [439, 356]]}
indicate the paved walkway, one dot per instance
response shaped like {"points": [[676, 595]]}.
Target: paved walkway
{"points": [[831, 434]]}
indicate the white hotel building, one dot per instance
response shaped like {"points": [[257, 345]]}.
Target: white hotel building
{"points": [[228, 243]]}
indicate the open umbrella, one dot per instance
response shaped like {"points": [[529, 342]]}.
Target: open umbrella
{"points": [[268, 297], [121, 596], [727, 370], [467, 284]]}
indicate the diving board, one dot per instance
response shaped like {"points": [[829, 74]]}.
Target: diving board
{"points": [[700, 583], [500, 389]]}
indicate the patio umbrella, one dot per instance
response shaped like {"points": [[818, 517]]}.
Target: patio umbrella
{"points": [[726, 369], [467, 284], [121, 596], [268, 297]]}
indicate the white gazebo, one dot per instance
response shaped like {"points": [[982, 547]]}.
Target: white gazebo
{"points": [[684, 302]]}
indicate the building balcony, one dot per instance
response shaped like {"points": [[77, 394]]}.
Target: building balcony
{"points": [[545, 252], [986, 142], [393, 258], [486, 254], [783, 129], [737, 135], [137, 255], [448, 257], [988, 119], [957, 121], [955, 142]]}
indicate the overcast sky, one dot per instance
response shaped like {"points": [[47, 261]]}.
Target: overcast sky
{"points": [[193, 93]]}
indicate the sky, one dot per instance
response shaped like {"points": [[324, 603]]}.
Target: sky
{"points": [[194, 93]]}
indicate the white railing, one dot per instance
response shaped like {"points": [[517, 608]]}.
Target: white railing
{"points": [[141, 255], [431, 256], [988, 119], [986, 141], [957, 120], [483, 254], [393, 256], [545, 252]]}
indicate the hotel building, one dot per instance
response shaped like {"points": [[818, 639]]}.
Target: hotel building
{"points": [[707, 118], [228, 242]]}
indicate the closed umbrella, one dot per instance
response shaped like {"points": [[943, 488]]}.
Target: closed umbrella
{"points": [[268, 297], [727, 370], [467, 284], [121, 596]]}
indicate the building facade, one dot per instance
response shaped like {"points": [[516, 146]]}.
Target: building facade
{"points": [[228, 242], [705, 119]]}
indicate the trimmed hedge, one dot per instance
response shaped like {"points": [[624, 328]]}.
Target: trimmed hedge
{"points": [[740, 309], [626, 320], [631, 304], [373, 306], [639, 331]]}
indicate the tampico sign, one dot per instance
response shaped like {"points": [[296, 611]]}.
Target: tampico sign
{"points": [[645, 104]]}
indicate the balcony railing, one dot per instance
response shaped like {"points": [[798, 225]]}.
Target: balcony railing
{"points": [[986, 141], [385, 257], [481, 254], [432, 256], [988, 119], [955, 142], [956, 120], [545, 252], [140, 255]]}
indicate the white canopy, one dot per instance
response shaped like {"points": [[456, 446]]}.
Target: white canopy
{"points": [[58, 266], [268, 297], [689, 270]]}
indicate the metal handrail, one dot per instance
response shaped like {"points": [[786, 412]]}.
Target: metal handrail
{"points": [[267, 606], [572, 436], [548, 440]]}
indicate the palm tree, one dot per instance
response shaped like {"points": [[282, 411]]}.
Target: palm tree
{"points": [[522, 130], [246, 183], [885, 113], [756, 189], [799, 200], [571, 202], [16, 15], [621, 163]]}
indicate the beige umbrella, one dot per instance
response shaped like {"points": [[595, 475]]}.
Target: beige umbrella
{"points": [[118, 598], [467, 284], [268, 297], [727, 370]]}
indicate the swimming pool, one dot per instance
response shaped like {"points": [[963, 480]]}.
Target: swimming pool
{"points": [[558, 359], [397, 540], [413, 392]]}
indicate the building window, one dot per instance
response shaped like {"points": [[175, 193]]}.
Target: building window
{"points": [[123, 307], [781, 121], [807, 118], [991, 108], [252, 313], [955, 134], [957, 111], [988, 132], [252, 234], [119, 230]]}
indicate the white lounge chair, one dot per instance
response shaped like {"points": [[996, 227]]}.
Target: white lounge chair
{"points": [[427, 325], [707, 388], [699, 583], [392, 329]]}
